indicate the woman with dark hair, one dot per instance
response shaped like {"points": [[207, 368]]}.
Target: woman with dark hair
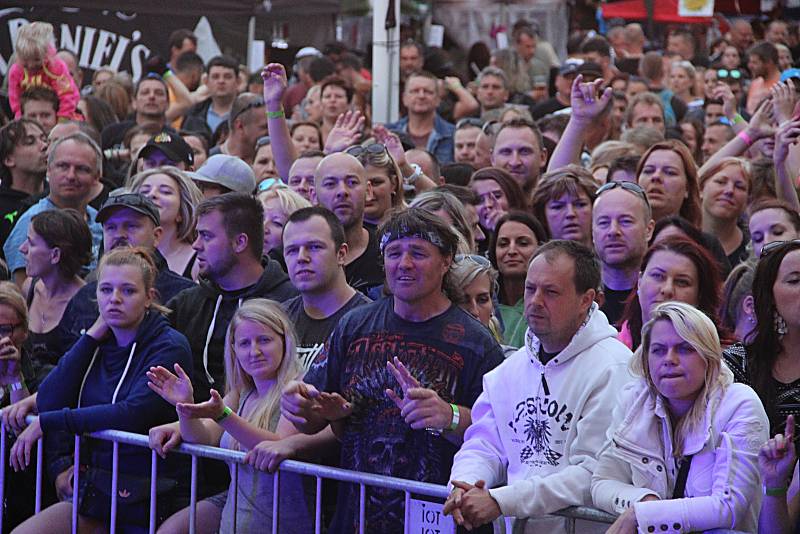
{"points": [[563, 200], [772, 220], [767, 360], [306, 136], [97, 112], [58, 246], [517, 237], [498, 193], [671, 271], [668, 174], [677, 226]]}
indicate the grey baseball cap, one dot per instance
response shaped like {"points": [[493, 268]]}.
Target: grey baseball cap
{"points": [[228, 171]]}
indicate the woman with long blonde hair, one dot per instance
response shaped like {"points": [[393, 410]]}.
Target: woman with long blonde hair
{"points": [[683, 446], [260, 359]]}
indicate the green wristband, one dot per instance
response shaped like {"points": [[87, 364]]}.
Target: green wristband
{"points": [[738, 118], [775, 492], [280, 114], [456, 418], [225, 413]]}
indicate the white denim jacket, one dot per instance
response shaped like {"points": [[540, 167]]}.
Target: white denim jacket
{"points": [[723, 485]]}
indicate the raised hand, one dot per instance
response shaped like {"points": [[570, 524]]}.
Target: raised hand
{"points": [[784, 99], [345, 132], [420, 407], [173, 388], [10, 371], [275, 83], [164, 438], [586, 99], [761, 123], [723, 92], [785, 137], [213, 408], [392, 143], [777, 457]]}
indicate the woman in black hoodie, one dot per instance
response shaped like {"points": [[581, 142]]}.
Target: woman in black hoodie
{"points": [[101, 384]]}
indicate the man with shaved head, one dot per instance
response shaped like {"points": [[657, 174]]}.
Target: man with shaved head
{"points": [[340, 184]]}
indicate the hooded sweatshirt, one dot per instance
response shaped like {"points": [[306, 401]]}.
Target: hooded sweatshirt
{"points": [[99, 386], [203, 312], [537, 428]]}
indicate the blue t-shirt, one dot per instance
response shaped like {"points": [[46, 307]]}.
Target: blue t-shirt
{"points": [[449, 353], [19, 233]]}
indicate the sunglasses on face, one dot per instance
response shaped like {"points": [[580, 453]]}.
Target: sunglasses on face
{"points": [[732, 73]]}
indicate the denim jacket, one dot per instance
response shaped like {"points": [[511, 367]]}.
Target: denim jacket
{"points": [[440, 142]]}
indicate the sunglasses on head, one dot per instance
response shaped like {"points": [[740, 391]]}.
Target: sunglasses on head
{"points": [[469, 121], [772, 246], [262, 141], [359, 150], [257, 103], [627, 186], [268, 183]]}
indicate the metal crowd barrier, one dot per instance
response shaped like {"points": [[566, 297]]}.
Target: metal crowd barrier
{"points": [[236, 458]]}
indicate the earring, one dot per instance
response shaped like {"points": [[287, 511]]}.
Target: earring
{"points": [[779, 323], [751, 318]]}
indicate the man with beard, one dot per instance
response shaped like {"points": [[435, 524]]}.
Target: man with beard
{"points": [[23, 162], [762, 61], [622, 224], [340, 185], [229, 245]]}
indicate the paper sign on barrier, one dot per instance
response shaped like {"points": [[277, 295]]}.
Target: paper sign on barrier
{"points": [[427, 518]]}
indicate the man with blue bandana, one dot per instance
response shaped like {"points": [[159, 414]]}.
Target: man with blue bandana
{"points": [[402, 374]]}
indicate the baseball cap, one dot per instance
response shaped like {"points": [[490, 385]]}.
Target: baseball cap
{"points": [[122, 198], [171, 145], [570, 67], [307, 51], [227, 171], [590, 71]]}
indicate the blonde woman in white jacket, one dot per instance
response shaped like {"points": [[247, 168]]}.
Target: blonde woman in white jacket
{"points": [[682, 454]]}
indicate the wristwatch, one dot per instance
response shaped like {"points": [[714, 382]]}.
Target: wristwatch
{"points": [[416, 174], [16, 386]]}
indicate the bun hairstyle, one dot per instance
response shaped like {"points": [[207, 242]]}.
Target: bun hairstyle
{"points": [[136, 257]]}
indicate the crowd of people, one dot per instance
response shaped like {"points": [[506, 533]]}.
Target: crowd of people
{"points": [[552, 282]]}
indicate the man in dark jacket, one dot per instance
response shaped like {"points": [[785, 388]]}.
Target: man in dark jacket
{"points": [[132, 220], [223, 85], [229, 245]]}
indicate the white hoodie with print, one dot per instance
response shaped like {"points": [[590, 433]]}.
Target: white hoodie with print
{"points": [[537, 429]]}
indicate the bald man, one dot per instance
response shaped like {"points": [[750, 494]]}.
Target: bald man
{"points": [[340, 184]]}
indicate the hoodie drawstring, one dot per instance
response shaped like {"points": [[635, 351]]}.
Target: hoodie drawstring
{"points": [[208, 339], [121, 379]]}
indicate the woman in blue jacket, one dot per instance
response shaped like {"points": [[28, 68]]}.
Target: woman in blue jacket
{"points": [[100, 384]]}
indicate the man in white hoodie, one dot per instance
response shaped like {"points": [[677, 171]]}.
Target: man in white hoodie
{"points": [[543, 414]]}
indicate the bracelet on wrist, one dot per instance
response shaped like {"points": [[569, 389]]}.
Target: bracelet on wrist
{"points": [[225, 414], [738, 119], [780, 491], [456, 418], [743, 135], [280, 114]]}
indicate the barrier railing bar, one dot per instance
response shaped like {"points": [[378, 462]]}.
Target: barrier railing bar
{"points": [[293, 466], [276, 488], [193, 498], [235, 483], [2, 471], [407, 511], [39, 463], [153, 493], [362, 507], [76, 471], [114, 484], [318, 507]]}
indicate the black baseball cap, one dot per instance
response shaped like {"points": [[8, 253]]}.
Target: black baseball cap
{"points": [[133, 201], [171, 145]]}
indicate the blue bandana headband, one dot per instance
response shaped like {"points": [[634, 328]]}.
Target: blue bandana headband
{"points": [[404, 233]]}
